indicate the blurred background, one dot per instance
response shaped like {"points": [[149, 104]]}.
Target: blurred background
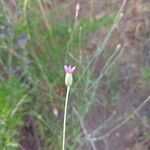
{"points": [[108, 41]]}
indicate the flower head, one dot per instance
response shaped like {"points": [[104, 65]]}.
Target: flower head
{"points": [[22, 41], [69, 71]]}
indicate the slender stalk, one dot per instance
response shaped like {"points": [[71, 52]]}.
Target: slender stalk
{"points": [[102, 48], [85, 131], [122, 123], [65, 115]]}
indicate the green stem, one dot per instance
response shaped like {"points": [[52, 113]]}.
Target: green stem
{"points": [[65, 114]]}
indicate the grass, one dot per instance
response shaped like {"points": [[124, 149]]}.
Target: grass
{"points": [[145, 71], [12, 98], [38, 70], [47, 67]]}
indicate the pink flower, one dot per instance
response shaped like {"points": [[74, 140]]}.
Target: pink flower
{"points": [[69, 69]]}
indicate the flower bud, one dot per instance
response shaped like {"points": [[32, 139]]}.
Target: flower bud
{"points": [[68, 79], [69, 71]]}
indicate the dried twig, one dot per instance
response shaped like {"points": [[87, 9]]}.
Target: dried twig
{"points": [[84, 130], [122, 123]]}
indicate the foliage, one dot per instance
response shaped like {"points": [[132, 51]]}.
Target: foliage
{"points": [[12, 98]]}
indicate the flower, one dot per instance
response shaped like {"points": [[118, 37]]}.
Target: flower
{"points": [[22, 41], [69, 71]]}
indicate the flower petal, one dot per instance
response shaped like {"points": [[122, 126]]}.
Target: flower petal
{"points": [[69, 69], [73, 68], [65, 67]]}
